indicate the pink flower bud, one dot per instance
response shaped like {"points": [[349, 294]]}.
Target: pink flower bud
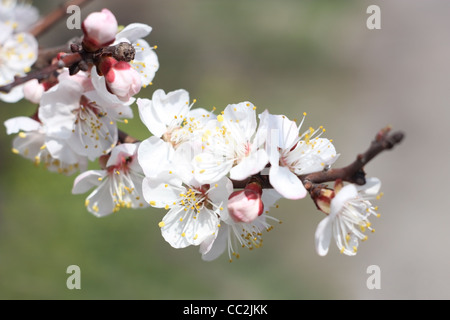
{"points": [[100, 29], [246, 205], [121, 79]]}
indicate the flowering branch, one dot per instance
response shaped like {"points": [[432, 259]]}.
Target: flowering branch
{"points": [[194, 159]]}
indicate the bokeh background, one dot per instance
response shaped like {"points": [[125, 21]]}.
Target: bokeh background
{"points": [[289, 57]]}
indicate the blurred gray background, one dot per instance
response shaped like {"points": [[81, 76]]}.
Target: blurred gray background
{"points": [[289, 57]]}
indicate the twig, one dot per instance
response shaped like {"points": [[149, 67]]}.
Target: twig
{"points": [[54, 16], [353, 173], [65, 61]]}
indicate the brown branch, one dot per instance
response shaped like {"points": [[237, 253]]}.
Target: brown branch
{"points": [[353, 173], [54, 16], [65, 61]]}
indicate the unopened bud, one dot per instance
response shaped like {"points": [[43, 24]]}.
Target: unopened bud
{"points": [[246, 205], [121, 79], [100, 29]]}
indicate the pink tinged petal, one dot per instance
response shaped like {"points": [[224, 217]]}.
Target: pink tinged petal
{"points": [[99, 29], [87, 180], [14, 125], [120, 152], [123, 81], [133, 32], [214, 246], [323, 236], [105, 98], [286, 183]]}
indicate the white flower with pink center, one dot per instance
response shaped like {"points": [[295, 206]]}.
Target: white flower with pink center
{"points": [[235, 232], [86, 119], [292, 154], [233, 143], [348, 219], [33, 143], [118, 186]]}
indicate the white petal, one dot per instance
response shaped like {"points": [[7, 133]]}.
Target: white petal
{"points": [[181, 229], [134, 31], [214, 246], [87, 180], [13, 96], [150, 117], [14, 125], [372, 186], [286, 183], [159, 194], [345, 194], [145, 62], [323, 236], [100, 202], [155, 156], [208, 169], [250, 165], [243, 116]]}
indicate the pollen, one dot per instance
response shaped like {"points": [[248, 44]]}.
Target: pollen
{"points": [[161, 224]]}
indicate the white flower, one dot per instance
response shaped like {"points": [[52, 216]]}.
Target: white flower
{"points": [[33, 143], [18, 52], [86, 119], [170, 117], [194, 208], [174, 124], [348, 218], [118, 186], [232, 145], [145, 61], [233, 235], [20, 15], [291, 155]]}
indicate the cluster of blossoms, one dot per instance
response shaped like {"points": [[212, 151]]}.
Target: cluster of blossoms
{"points": [[190, 164]]}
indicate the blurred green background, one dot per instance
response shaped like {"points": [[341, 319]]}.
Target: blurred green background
{"points": [[289, 57]]}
